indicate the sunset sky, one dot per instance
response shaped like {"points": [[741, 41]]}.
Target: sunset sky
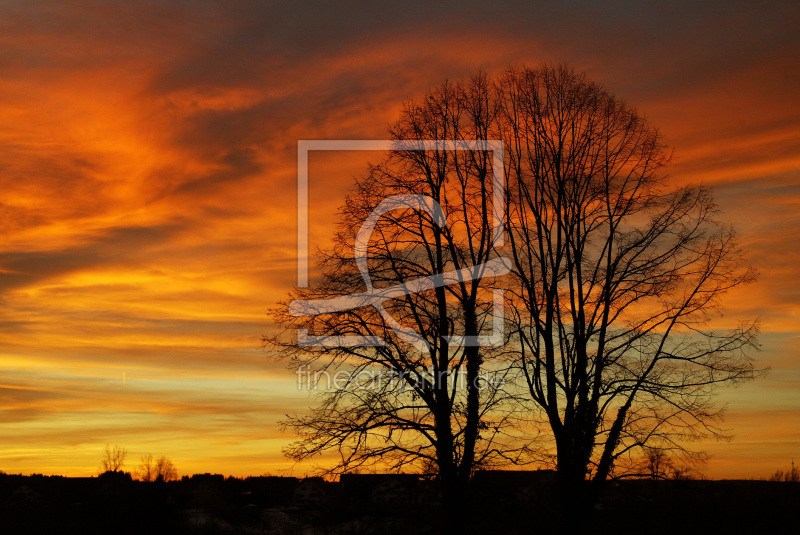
{"points": [[148, 170]]}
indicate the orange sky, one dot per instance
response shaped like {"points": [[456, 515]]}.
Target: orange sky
{"points": [[147, 194]]}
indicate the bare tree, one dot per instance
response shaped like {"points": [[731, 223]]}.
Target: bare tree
{"points": [[658, 463], [113, 459], [161, 469], [165, 470], [792, 475], [417, 393], [617, 276], [146, 471]]}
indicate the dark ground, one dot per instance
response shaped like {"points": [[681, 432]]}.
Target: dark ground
{"points": [[385, 505]]}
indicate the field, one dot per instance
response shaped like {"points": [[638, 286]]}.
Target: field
{"points": [[383, 504]]}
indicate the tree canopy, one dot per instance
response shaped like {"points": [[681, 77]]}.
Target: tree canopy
{"points": [[612, 278]]}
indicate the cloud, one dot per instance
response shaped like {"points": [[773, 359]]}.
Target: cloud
{"points": [[121, 245]]}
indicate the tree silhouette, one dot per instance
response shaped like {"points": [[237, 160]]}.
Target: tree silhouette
{"points": [[165, 469], [658, 463], [161, 469], [616, 278], [146, 471], [792, 475], [423, 398], [113, 459]]}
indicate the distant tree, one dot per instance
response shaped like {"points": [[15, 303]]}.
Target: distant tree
{"points": [[113, 459], [165, 470], [792, 475], [146, 471], [684, 473], [160, 469], [658, 463]]}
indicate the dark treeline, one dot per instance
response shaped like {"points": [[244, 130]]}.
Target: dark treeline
{"points": [[504, 502]]}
